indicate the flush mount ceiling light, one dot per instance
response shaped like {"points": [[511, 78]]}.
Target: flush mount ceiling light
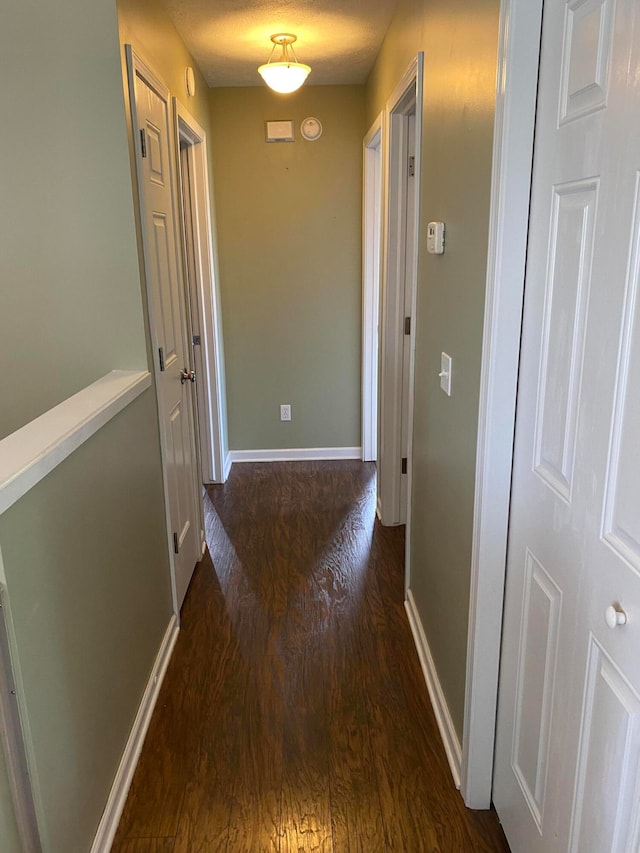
{"points": [[286, 74]]}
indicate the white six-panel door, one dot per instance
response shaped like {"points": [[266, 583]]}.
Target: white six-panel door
{"points": [[567, 774], [167, 306]]}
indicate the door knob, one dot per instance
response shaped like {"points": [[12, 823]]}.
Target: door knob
{"points": [[187, 375], [614, 617]]}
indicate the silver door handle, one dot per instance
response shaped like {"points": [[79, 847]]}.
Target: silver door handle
{"points": [[614, 617], [187, 375]]}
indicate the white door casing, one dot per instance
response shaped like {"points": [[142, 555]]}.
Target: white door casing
{"points": [[567, 774], [399, 288], [153, 141], [517, 78], [410, 279], [371, 269], [206, 320]]}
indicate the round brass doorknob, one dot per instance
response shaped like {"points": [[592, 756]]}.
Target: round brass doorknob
{"points": [[614, 617]]}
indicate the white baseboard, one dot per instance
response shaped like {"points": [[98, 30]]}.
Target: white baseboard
{"points": [[294, 454], [443, 717], [228, 461], [124, 775]]}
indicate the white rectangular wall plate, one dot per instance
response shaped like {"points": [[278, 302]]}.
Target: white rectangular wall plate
{"points": [[285, 411], [435, 238], [279, 131], [445, 373]]}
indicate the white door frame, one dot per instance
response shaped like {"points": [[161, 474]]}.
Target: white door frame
{"points": [[138, 66], [518, 60], [373, 158], [406, 97], [209, 357]]}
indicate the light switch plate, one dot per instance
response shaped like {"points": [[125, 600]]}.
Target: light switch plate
{"points": [[435, 238], [445, 373]]}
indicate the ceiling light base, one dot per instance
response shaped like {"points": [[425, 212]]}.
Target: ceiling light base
{"points": [[284, 38]]}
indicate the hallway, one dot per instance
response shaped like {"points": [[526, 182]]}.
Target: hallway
{"points": [[294, 715]]}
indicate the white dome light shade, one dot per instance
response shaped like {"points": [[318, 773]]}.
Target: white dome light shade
{"points": [[284, 77], [287, 74]]}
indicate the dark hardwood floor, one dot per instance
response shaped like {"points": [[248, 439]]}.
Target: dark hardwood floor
{"points": [[294, 715]]}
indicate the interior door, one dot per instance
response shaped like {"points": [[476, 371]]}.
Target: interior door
{"points": [[152, 136], [568, 738]]}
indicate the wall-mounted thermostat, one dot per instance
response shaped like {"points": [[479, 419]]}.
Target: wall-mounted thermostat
{"points": [[311, 128], [435, 238]]}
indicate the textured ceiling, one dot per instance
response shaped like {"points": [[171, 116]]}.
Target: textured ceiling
{"points": [[339, 39]]}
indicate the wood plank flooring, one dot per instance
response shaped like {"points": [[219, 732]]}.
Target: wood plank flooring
{"points": [[294, 716]]}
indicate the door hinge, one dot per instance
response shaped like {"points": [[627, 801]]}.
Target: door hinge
{"points": [[412, 166], [161, 358], [407, 325], [404, 464], [176, 546], [196, 340], [143, 142]]}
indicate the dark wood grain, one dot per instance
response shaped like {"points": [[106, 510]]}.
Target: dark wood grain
{"points": [[294, 716], [144, 845]]}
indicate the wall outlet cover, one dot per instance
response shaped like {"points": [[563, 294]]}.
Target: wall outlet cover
{"points": [[285, 411]]}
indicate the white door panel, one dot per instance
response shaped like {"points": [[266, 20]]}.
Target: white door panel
{"points": [[568, 737], [150, 109], [607, 803]]}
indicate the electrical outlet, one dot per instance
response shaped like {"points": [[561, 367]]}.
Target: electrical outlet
{"points": [[285, 412]]}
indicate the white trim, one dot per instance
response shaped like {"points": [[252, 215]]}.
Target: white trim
{"points": [[402, 103], [372, 199], [124, 775], [31, 452], [228, 462], [436, 694], [295, 453], [211, 388], [405, 83], [512, 160], [414, 316]]}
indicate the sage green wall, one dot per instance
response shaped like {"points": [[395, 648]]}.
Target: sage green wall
{"points": [[289, 229], [9, 838], [70, 297], [90, 599], [459, 39], [85, 551]]}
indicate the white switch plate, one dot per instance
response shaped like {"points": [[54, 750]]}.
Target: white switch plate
{"points": [[285, 412], [445, 373], [435, 238]]}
